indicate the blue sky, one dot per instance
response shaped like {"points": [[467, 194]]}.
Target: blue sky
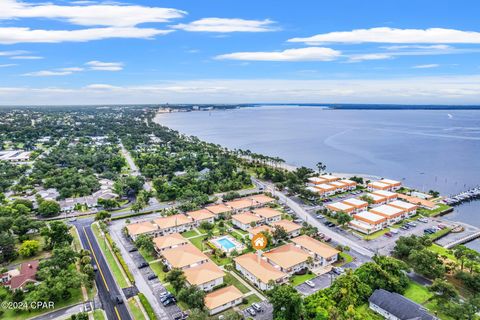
{"points": [[191, 51]]}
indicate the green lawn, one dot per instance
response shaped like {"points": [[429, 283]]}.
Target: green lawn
{"points": [[189, 234], [147, 306], [417, 293], [147, 255], [197, 242], [346, 259], [99, 315], [41, 254], [231, 280], [250, 299], [76, 240], [298, 279], [157, 268], [76, 298], [108, 254], [376, 235], [443, 252], [441, 207], [136, 311], [439, 234], [220, 261]]}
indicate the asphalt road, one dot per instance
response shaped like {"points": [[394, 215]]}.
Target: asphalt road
{"points": [[107, 287]]}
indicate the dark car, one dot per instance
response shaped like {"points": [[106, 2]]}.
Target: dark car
{"points": [[388, 234], [151, 276], [180, 316], [118, 299], [169, 301], [166, 297], [142, 265], [132, 249], [327, 239], [95, 268]]}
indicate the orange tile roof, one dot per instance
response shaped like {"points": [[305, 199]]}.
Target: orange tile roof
{"points": [[340, 206], [260, 268], [241, 203], [218, 208], [357, 203], [259, 229], [288, 225], [246, 218], [203, 273], [387, 211], [261, 198], [369, 217], [287, 256], [141, 227], [403, 205], [418, 201], [315, 246], [267, 212], [202, 214], [184, 256], [172, 221], [221, 297], [170, 240]]}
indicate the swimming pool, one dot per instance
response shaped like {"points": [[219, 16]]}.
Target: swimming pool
{"points": [[227, 243]]}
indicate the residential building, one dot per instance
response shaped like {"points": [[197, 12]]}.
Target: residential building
{"points": [[394, 185], [427, 204], [242, 204], [339, 186], [409, 208], [255, 230], [376, 199], [245, 220], [376, 185], [262, 199], [293, 229], [175, 223], [392, 214], [316, 180], [322, 253], [222, 299], [351, 185], [19, 278], [368, 222], [206, 276], [357, 204], [326, 189], [169, 241], [258, 271], [329, 177], [202, 215], [337, 207], [393, 306], [390, 196], [138, 228], [219, 209], [184, 257], [288, 258], [268, 214]]}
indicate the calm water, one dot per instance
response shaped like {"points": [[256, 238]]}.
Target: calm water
{"points": [[426, 149]]}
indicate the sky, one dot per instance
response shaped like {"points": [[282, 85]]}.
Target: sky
{"points": [[217, 51]]}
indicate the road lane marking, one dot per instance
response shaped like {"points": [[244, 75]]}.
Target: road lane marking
{"points": [[95, 257], [118, 314]]}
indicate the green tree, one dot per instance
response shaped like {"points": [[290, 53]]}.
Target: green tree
{"points": [[29, 248], [7, 247], [145, 242], [49, 208], [287, 303], [177, 279], [56, 234], [343, 218], [279, 233], [444, 291], [349, 290], [427, 263], [192, 296], [102, 215]]}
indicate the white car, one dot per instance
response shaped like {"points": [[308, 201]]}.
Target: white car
{"points": [[310, 284]]}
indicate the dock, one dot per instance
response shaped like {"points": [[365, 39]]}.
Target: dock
{"points": [[472, 194], [463, 240]]}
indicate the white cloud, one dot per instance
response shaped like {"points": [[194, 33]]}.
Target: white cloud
{"points": [[369, 56], [11, 35], [227, 25], [7, 65], [26, 58], [392, 35], [461, 89], [72, 69], [425, 47], [301, 54], [47, 73], [426, 66], [112, 15], [105, 66], [12, 53]]}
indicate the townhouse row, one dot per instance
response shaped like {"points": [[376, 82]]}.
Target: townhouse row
{"points": [[327, 185], [279, 264]]}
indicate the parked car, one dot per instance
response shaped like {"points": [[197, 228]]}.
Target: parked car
{"points": [[151, 276], [257, 307], [180, 316], [411, 223], [95, 268], [132, 249], [388, 234], [441, 226], [394, 231], [142, 265], [310, 284], [166, 297], [251, 312], [423, 220], [168, 302], [118, 299], [327, 239], [319, 216], [338, 270]]}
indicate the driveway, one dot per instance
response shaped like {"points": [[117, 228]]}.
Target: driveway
{"points": [[321, 282], [265, 314]]}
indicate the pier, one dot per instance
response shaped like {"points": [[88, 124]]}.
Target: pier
{"points": [[463, 240], [472, 194]]}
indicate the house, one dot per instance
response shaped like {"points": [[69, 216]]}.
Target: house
{"points": [[258, 271], [245, 220], [19, 278], [175, 223], [357, 204], [262, 199], [326, 189], [339, 186], [368, 222], [316, 180], [202, 215], [268, 214], [184, 257], [138, 228], [394, 185], [392, 214], [242, 204], [169, 241], [322, 253], [390, 196], [376, 185], [255, 230], [312, 189], [206, 276], [329, 177], [219, 209], [351, 185], [293, 229], [429, 205], [376, 199], [222, 299], [288, 258], [337, 207], [409, 208], [393, 306], [15, 155]]}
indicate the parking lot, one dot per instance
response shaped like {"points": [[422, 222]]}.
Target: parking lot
{"points": [[265, 314], [321, 282]]}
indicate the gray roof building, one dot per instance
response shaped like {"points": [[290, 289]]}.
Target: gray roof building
{"points": [[394, 306]]}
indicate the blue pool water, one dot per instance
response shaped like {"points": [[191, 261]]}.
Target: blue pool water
{"points": [[226, 244]]}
